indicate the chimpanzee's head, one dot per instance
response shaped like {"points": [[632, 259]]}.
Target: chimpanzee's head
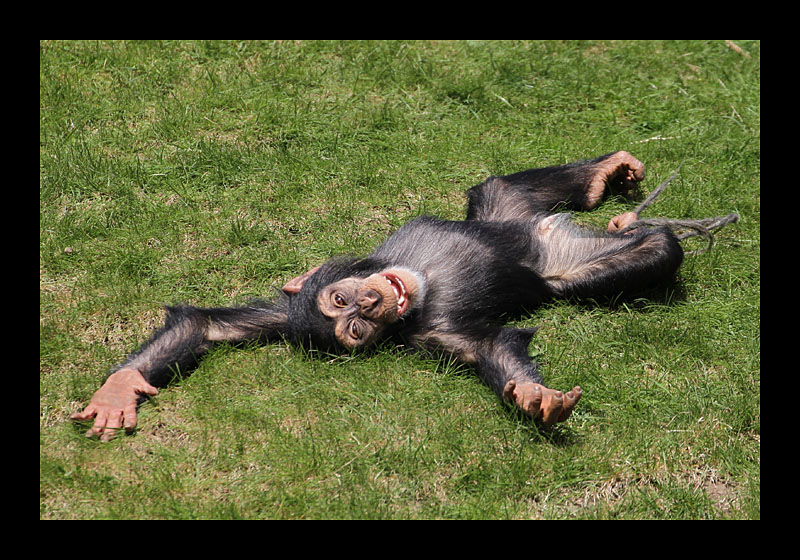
{"points": [[350, 303]]}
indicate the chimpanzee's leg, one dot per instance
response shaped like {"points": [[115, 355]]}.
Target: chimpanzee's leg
{"points": [[580, 261], [500, 356], [579, 185], [504, 364]]}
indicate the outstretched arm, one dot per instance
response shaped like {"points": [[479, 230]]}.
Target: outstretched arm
{"points": [[188, 333]]}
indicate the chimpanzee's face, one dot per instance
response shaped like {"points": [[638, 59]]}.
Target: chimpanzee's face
{"points": [[362, 308]]}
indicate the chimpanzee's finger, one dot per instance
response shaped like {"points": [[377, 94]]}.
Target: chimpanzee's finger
{"points": [[113, 424], [84, 414], [145, 388], [532, 401], [571, 398], [129, 418], [508, 391], [552, 409], [100, 420]]}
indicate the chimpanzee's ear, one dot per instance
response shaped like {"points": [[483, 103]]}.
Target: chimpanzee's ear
{"points": [[294, 285]]}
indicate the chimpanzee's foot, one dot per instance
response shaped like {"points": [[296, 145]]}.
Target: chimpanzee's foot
{"points": [[538, 401], [620, 171], [622, 221]]}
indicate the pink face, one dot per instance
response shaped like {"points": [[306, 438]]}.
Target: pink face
{"points": [[363, 307]]}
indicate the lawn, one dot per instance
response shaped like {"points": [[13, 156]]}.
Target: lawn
{"points": [[208, 173]]}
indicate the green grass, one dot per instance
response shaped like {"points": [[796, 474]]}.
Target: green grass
{"points": [[208, 173]]}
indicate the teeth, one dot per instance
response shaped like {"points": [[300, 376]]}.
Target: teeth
{"points": [[399, 290]]}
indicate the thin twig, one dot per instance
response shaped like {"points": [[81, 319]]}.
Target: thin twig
{"points": [[702, 227], [653, 195], [683, 229]]}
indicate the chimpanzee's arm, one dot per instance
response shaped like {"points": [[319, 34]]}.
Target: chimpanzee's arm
{"points": [[188, 333], [578, 185]]}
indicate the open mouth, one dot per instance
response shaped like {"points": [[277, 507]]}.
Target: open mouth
{"points": [[399, 290]]}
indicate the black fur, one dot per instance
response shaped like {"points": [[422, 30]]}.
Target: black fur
{"points": [[506, 257]]}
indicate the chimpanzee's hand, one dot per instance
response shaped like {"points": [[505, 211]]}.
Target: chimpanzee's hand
{"points": [[114, 404], [537, 401]]}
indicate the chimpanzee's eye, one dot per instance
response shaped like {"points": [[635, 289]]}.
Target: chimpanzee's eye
{"points": [[339, 301], [355, 330]]}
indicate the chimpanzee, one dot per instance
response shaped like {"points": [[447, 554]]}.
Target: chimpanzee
{"points": [[439, 285]]}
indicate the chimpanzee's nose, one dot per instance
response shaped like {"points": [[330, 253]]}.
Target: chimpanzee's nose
{"points": [[369, 302]]}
